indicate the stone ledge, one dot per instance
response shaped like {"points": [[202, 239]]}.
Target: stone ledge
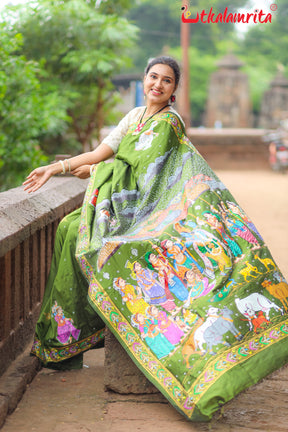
{"points": [[14, 381], [231, 148], [22, 214], [227, 132]]}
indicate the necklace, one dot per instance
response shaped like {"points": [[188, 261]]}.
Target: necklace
{"points": [[142, 124]]}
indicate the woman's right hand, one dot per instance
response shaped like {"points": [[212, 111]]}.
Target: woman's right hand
{"points": [[37, 178], [82, 172]]}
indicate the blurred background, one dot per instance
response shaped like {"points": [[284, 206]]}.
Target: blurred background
{"points": [[71, 69]]}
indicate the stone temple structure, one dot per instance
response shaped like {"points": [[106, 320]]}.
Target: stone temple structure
{"points": [[274, 105], [229, 104]]}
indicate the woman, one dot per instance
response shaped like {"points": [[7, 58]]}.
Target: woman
{"points": [[214, 221], [183, 261], [155, 166], [167, 276], [153, 291], [131, 296], [150, 332], [166, 325], [198, 284]]}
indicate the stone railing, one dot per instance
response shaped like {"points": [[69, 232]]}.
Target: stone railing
{"points": [[28, 224], [229, 149]]}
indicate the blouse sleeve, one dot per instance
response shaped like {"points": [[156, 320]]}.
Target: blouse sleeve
{"points": [[114, 138]]}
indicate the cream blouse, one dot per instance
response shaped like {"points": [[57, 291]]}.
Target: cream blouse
{"points": [[114, 138]]}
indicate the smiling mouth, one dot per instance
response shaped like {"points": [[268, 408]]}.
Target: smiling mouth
{"points": [[156, 92]]}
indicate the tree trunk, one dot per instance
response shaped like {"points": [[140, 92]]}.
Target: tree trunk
{"points": [[94, 124]]}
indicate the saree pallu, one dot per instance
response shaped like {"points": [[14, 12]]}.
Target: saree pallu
{"points": [[176, 270]]}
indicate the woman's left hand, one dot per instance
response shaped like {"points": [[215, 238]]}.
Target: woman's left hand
{"points": [[38, 177], [83, 172]]}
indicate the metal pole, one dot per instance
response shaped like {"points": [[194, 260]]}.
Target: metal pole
{"points": [[184, 103]]}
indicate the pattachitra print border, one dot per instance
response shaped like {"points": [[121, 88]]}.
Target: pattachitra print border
{"points": [[160, 374], [135, 346], [238, 354], [54, 355], [173, 390], [185, 399]]}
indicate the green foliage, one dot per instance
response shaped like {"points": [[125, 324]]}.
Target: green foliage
{"points": [[160, 21], [81, 50], [75, 41], [116, 7], [158, 28], [26, 111], [270, 40], [260, 75], [264, 50], [201, 68]]}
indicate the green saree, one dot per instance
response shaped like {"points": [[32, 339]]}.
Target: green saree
{"points": [[175, 269]]}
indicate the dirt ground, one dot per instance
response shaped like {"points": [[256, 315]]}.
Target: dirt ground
{"points": [[75, 401]]}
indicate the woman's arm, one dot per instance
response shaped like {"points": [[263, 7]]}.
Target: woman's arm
{"points": [[78, 165], [41, 175]]}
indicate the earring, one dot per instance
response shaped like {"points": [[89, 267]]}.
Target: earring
{"points": [[173, 98]]}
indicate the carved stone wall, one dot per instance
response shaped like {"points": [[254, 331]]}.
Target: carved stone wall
{"points": [[274, 106], [229, 104], [28, 226]]}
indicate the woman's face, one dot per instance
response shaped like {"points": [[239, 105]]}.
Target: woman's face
{"points": [[210, 218], [169, 244], [155, 311], [159, 84], [137, 266], [140, 318], [190, 275], [121, 282]]}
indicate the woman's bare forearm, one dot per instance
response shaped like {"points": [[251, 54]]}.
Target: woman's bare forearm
{"points": [[101, 153], [39, 176]]}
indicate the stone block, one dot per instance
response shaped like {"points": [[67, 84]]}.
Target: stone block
{"points": [[14, 381], [3, 409], [121, 374]]}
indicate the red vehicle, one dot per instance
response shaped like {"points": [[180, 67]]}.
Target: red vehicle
{"points": [[278, 150]]}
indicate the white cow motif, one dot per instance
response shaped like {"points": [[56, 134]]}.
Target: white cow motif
{"points": [[253, 303], [146, 138], [212, 315]]}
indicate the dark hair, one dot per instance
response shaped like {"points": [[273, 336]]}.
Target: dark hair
{"points": [[169, 61]]}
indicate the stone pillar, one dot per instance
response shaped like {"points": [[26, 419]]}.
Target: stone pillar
{"points": [[228, 102], [121, 375], [274, 106]]}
